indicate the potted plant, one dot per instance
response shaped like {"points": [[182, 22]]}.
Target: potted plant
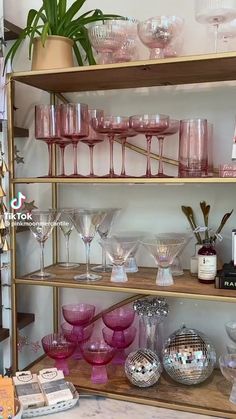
{"points": [[55, 31]]}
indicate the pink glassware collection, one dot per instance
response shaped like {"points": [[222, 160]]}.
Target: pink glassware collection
{"points": [[59, 349]]}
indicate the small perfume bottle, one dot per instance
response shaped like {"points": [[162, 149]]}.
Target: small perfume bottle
{"points": [[207, 263]]}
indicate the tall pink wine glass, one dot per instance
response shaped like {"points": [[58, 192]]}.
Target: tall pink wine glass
{"points": [[93, 137], [47, 127], [111, 126], [123, 137], [149, 125], [171, 130], [74, 126]]}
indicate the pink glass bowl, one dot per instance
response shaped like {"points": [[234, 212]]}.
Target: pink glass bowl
{"points": [[98, 354], [121, 342], [84, 335], [119, 319], [57, 348], [78, 314]]}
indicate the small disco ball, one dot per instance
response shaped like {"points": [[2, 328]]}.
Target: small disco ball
{"points": [[143, 368], [189, 357]]}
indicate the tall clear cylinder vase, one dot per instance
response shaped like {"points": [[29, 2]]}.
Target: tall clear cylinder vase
{"points": [[151, 334]]}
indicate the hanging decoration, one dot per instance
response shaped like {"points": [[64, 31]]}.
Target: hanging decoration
{"points": [[18, 159], [24, 341], [29, 207]]}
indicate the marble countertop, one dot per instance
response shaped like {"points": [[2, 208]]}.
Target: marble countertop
{"points": [[102, 408]]}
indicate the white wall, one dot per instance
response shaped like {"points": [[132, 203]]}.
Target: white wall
{"points": [[150, 208]]}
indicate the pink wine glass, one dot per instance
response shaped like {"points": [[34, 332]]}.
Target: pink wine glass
{"points": [[57, 348], [47, 127], [98, 354], [119, 320], [171, 130], [123, 137], [93, 137], [70, 336], [78, 315], [74, 126], [119, 344], [111, 126], [149, 125]]}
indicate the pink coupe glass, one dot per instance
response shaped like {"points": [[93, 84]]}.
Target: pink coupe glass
{"points": [[129, 49], [111, 126], [79, 316], [123, 137], [121, 343], [149, 125], [119, 320], [57, 348], [171, 130], [98, 354], [70, 336]]}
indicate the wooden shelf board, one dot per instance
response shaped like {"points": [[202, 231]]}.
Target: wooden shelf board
{"points": [[4, 334], [11, 31], [164, 72], [142, 282], [210, 398], [18, 131], [25, 319]]}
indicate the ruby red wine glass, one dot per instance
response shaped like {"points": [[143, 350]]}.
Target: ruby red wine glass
{"points": [[171, 130], [80, 338], [47, 127], [149, 125], [74, 126], [123, 137], [79, 316], [111, 126], [58, 348], [119, 320], [120, 344], [98, 354]]}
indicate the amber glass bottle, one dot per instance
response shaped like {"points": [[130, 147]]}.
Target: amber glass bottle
{"points": [[207, 263]]}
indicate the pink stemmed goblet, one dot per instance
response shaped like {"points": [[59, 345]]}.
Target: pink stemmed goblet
{"points": [[171, 130], [119, 320], [98, 354], [74, 126], [149, 125], [111, 126], [70, 336], [119, 344], [123, 137], [93, 137], [57, 348], [129, 49], [79, 316]]}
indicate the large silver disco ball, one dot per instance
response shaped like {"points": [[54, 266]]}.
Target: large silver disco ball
{"points": [[189, 357], [143, 368]]}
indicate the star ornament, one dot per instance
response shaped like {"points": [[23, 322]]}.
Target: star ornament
{"points": [[29, 206], [35, 346]]}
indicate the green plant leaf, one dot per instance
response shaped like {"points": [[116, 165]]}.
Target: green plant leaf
{"points": [[62, 6], [86, 45], [31, 16], [44, 34], [34, 28], [77, 54], [71, 12]]}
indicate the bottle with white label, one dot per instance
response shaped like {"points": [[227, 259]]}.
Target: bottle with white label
{"points": [[207, 263]]}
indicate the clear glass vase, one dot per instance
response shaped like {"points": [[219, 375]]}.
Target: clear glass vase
{"points": [[151, 334]]}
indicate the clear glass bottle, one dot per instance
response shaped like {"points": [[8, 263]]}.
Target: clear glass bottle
{"points": [[207, 263]]}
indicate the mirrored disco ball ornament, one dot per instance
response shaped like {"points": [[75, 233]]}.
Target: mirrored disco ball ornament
{"points": [[143, 368], [189, 357]]}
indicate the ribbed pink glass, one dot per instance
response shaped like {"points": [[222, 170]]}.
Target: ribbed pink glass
{"points": [[70, 336], [122, 343], [78, 315], [106, 39], [59, 349], [98, 354], [193, 148], [119, 319]]}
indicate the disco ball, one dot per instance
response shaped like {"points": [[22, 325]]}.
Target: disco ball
{"points": [[189, 357], [143, 368]]}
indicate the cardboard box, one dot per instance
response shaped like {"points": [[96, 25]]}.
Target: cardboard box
{"points": [[28, 390], [54, 386], [7, 405]]}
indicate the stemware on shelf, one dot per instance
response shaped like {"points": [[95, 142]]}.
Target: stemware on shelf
{"points": [[47, 127], [107, 38], [119, 344], [158, 32], [212, 12], [74, 126], [41, 226], [111, 126], [123, 137], [77, 338], [171, 130], [119, 320], [93, 137], [176, 267], [58, 348], [227, 365], [98, 354], [129, 49], [231, 330], [227, 35], [149, 125], [78, 316], [87, 223], [118, 252], [129, 236], [103, 231], [67, 227], [163, 250]]}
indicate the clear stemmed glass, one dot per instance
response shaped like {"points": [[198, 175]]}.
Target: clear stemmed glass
{"points": [[87, 223], [215, 13], [74, 126], [103, 231], [227, 33], [171, 130], [228, 369], [67, 227], [41, 225], [107, 38], [111, 126], [93, 136], [123, 137], [158, 32], [47, 127], [129, 236], [149, 125], [164, 250]]}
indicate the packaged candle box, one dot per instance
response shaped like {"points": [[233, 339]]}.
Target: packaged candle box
{"points": [[28, 390], [54, 386], [7, 407]]}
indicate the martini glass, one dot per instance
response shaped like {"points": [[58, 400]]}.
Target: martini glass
{"points": [[103, 231], [129, 236], [119, 344], [41, 226], [164, 250], [123, 137], [59, 349], [118, 252], [74, 126], [149, 125], [67, 227], [171, 130], [111, 126], [87, 223]]}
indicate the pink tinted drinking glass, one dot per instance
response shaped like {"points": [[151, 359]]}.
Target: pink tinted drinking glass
{"points": [[74, 126], [111, 126], [98, 354], [119, 343], [93, 136], [119, 320], [123, 137], [79, 316], [70, 336], [193, 148], [149, 125], [58, 348], [171, 130], [47, 127]]}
